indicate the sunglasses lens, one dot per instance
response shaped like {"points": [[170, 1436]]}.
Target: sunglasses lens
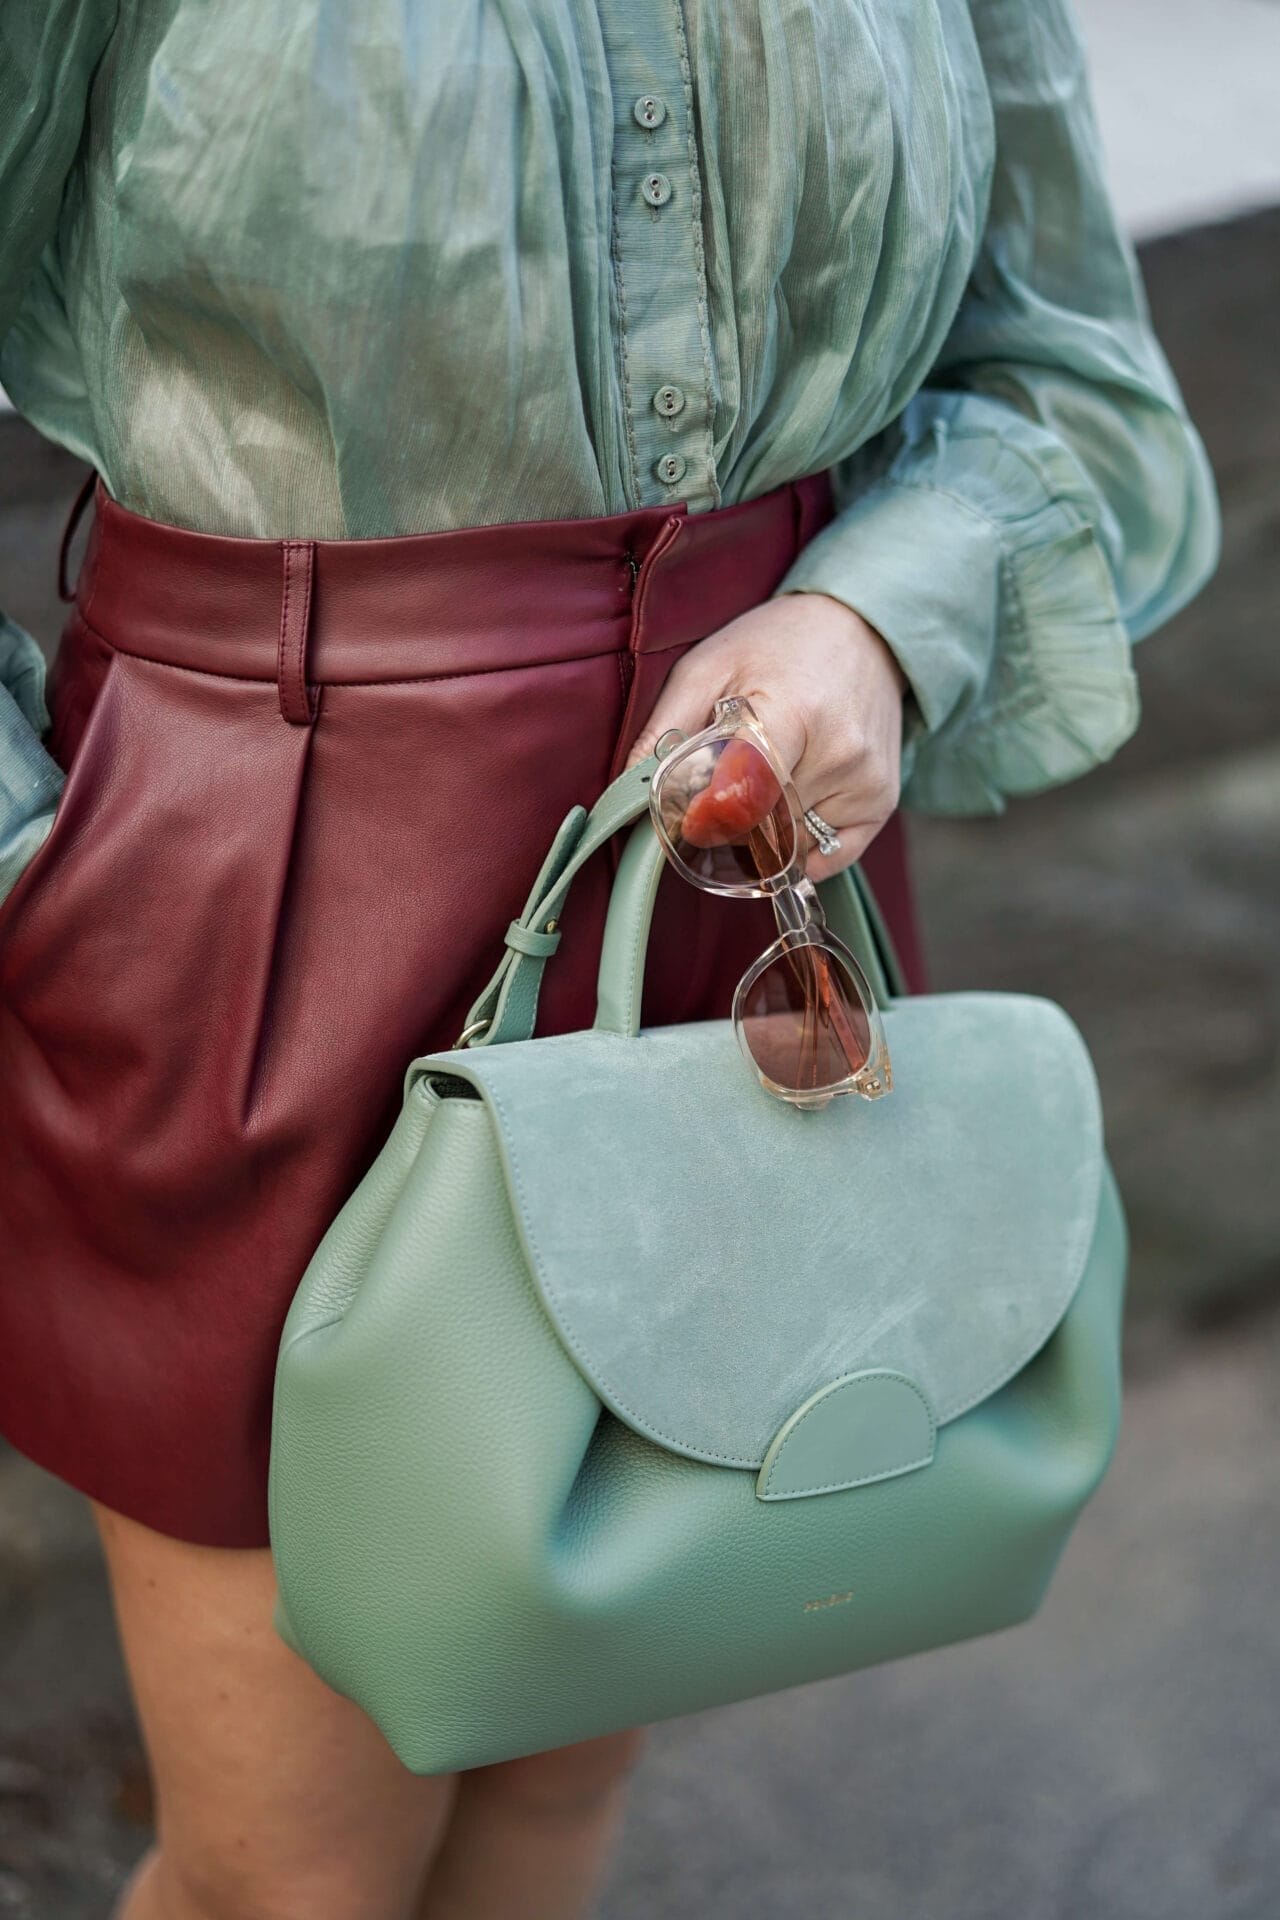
{"points": [[725, 814], [804, 1021]]}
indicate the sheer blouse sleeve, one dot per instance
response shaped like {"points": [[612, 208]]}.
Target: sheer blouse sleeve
{"points": [[1043, 501], [48, 54]]}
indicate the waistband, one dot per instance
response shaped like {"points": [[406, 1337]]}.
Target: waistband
{"points": [[310, 613]]}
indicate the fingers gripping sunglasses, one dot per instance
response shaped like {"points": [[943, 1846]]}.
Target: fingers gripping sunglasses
{"points": [[730, 821]]}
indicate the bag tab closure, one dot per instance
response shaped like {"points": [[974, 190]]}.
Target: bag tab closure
{"points": [[864, 1427]]}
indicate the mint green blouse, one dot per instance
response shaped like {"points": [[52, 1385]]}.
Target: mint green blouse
{"points": [[300, 267]]}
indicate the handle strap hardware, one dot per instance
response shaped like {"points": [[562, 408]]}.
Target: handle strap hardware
{"points": [[470, 1033]]}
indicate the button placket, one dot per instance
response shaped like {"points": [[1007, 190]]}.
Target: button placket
{"points": [[665, 350]]}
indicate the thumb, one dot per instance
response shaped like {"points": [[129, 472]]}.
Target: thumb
{"points": [[689, 711], [689, 694]]}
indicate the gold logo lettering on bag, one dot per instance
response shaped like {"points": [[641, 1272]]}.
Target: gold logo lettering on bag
{"points": [[831, 1600]]}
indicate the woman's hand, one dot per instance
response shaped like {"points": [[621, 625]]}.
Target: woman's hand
{"points": [[828, 692]]}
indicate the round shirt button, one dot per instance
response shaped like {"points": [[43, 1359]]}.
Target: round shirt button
{"points": [[668, 401], [670, 468], [649, 110], [656, 189]]}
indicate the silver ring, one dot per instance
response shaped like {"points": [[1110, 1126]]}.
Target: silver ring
{"points": [[823, 832]]}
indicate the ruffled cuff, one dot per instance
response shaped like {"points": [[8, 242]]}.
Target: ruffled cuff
{"points": [[970, 548], [22, 673], [30, 779]]}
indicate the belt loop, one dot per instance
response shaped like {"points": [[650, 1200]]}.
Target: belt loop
{"points": [[65, 590], [298, 702]]}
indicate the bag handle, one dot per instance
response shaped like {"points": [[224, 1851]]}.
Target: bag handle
{"points": [[850, 907], [507, 1008]]}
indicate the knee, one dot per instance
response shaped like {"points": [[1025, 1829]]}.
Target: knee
{"points": [[567, 1783], [224, 1889]]}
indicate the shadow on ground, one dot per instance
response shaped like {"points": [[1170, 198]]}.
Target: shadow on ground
{"points": [[1118, 1757]]}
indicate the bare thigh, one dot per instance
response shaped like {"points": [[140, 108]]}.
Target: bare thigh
{"points": [[274, 1795]]}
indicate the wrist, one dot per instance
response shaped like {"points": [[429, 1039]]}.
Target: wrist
{"points": [[865, 630]]}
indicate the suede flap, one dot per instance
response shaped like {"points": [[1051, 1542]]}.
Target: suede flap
{"points": [[711, 1257]]}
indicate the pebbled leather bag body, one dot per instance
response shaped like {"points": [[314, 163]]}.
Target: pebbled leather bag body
{"points": [[619, 1389]]}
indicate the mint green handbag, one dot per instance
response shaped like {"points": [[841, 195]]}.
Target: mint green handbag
{"points": [[589, 1413]]}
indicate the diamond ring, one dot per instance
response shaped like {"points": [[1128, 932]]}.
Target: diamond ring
{"points": [[823, 832]]}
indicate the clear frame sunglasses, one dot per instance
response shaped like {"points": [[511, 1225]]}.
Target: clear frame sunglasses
{"points": [[730, 822]]}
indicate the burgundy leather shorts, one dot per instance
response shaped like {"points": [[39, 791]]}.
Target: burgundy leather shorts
{"points": [[309, 785]]}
